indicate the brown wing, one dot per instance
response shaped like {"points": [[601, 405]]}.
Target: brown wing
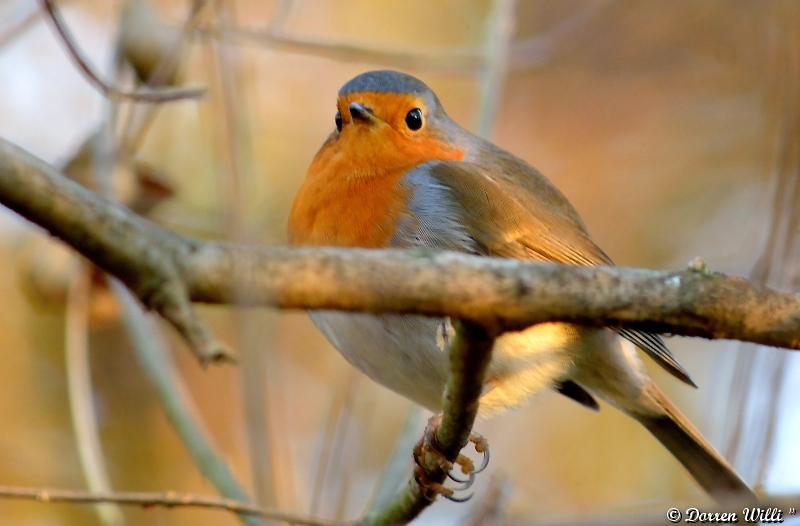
{"points": [[530, 219]]}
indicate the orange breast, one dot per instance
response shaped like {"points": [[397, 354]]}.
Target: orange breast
{"points": [[353, 194], [341, 211]]}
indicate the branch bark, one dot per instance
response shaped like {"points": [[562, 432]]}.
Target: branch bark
{"points": [[145, 257], [166, 270], [469, 355]]}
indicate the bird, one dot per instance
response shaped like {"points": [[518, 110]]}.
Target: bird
{"points": [[398, 172]]}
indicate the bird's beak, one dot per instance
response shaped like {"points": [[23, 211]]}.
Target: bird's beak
{"points": [[359, 112]]}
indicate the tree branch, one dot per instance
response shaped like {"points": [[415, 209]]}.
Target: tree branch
{"points": [[469, 354], [79, 393], [166, 500], [142, 255], [523, 54], [459, 60], [141, 95], [165, 270], [156, 362]]}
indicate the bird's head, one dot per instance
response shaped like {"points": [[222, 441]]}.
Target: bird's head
{"points": [[387, 121]]}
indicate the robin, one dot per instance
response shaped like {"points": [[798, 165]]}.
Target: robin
{"points": [[398, 172]]}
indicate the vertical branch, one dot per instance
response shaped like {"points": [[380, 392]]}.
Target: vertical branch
{"points": [[500, 26], [469, 354], [331, 437], [172, 394], [282, 11], [232, 175], [469, 358], [101, 153], [499, 30], [79, 385], [759, 376], [138, 23], [788, 273], [348, 445], [154, 358], [232, 182]]}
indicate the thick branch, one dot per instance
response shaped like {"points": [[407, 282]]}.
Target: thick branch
{"points": [[162, 267], [512, 294], [144, 256]]}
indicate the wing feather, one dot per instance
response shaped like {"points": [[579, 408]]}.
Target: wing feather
{"points": [[522, 220]]}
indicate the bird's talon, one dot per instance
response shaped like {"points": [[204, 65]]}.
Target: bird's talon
{"points": [[480, 442], [481, 446], [442, 490], [431, 489], [466, 463], [427, 451], [444, 464], [465, 483], [458, 499], [485, 462]]}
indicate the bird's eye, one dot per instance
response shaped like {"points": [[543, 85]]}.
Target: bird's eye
{"points": [[338, 121], [414, 119]]}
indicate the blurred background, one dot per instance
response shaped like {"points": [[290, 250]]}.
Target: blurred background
{"points": [[673, 127]]}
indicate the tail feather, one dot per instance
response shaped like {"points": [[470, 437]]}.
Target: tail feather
{"points": [[698, 456]]}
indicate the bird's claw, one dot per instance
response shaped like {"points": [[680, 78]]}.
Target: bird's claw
{"points": [[430, 489], [481, 446], [427, 448]]}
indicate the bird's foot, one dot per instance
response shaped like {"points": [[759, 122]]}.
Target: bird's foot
{"points": [[428, 448]]}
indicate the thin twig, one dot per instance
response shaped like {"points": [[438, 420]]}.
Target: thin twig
{"points": [[758, 375], [523, 55], [155, 360], [344, 448], [131, 139], [537, 51], [18, 27], [141, 95], [464, 61], [79, 383], [787, 272], [330, 438], [282, 11], [175, 399], [497, 41], [233, 176], [165, 500]]}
